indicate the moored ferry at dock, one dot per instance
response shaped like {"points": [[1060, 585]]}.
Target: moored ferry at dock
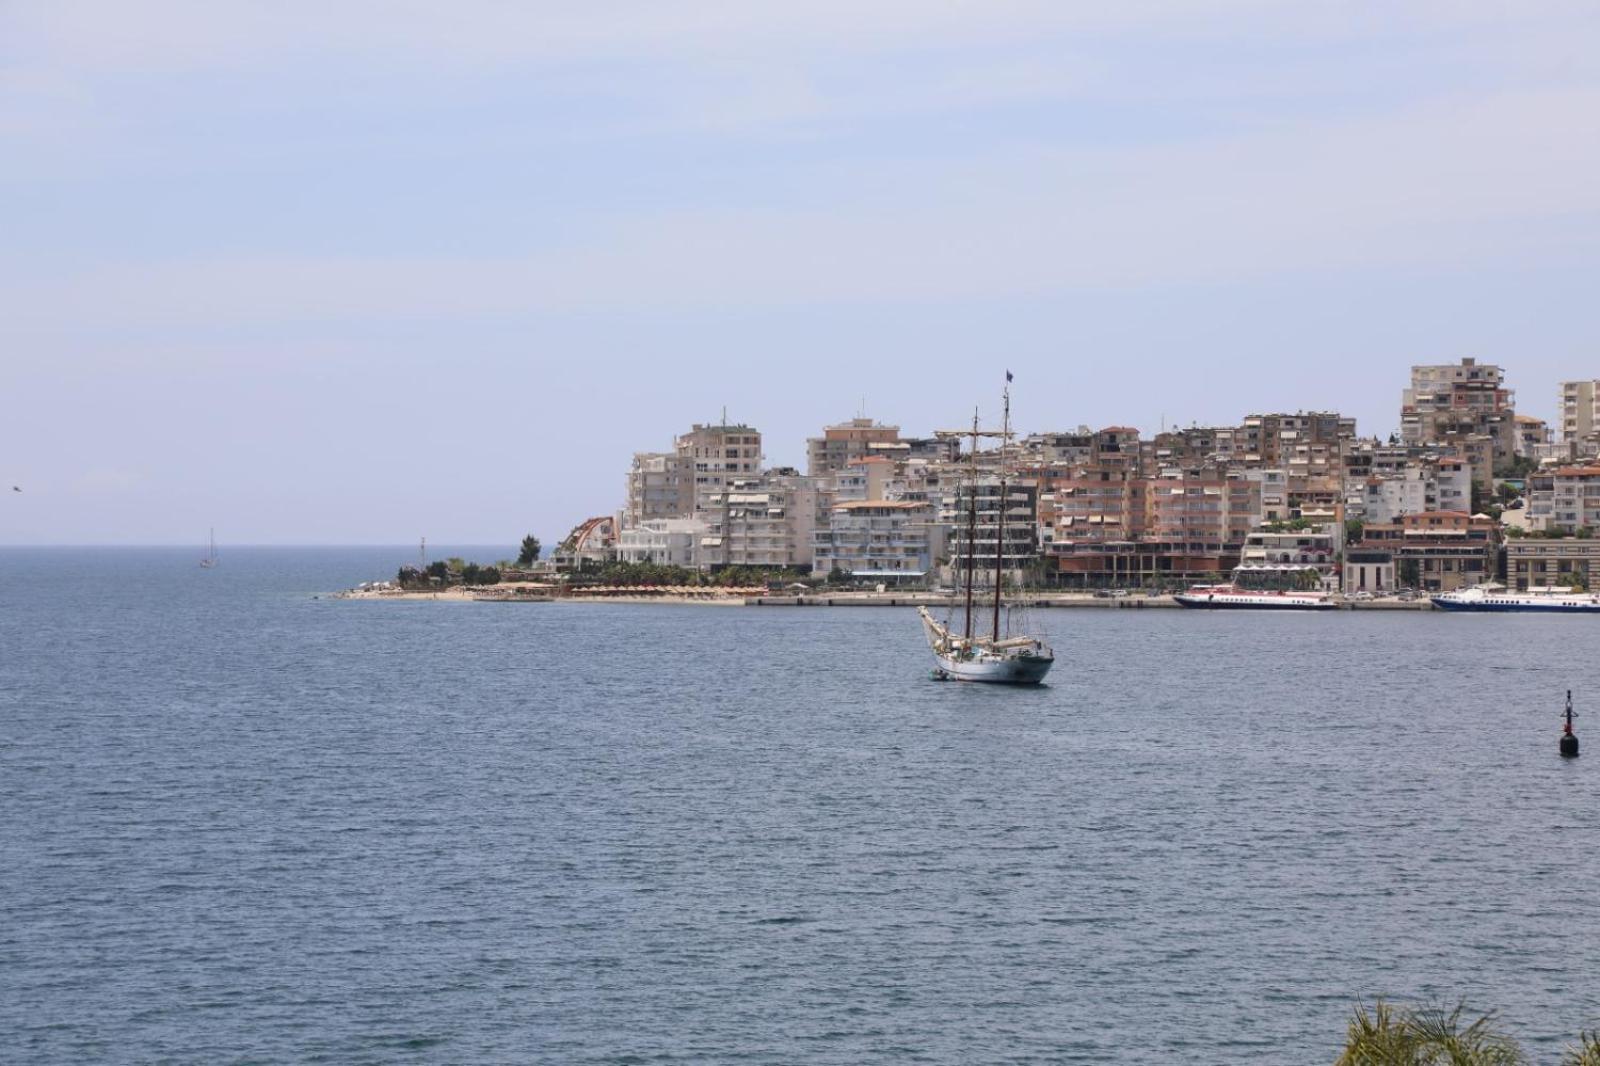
{"points": [[1497, 598], [1223, 597]]}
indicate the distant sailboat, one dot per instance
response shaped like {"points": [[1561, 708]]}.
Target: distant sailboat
{"points": [[1015, 659], [210, 559]]}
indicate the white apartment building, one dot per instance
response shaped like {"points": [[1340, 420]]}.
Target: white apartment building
{"points": [[1565, 499], [1410, 490], [764, 521], [1443, 484], [882, 539], [1305, 547], [661, 542], [660, 485], [1453, 481], [865, 479], [1274, 493], [977, 533]]}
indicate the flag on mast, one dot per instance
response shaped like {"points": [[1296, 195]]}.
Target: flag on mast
{"points": [[1008, 377]]}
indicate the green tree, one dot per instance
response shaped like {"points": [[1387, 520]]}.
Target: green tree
{"points": [[469, 573], [1519, 467], [1410, 573], [1353, 528], [439, 569], [489, 576], [529, 552]]}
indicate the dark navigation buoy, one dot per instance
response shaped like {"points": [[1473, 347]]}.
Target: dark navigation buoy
{"points": [[1569, 739]]}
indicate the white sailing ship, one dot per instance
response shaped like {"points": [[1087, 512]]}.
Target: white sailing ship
{"points": [[996, 656], [209, 560]]}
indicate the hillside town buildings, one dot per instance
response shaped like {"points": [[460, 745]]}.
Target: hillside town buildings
{"points": [[1282, 497]]}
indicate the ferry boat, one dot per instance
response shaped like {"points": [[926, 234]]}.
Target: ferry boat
{"points": [[1223, 597], [1497, 598]]}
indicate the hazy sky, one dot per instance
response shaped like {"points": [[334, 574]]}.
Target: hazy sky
{"points": [[365, 271]]}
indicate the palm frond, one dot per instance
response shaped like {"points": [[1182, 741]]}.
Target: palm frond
{"points": [[1445, 1041], [1586, 1052], [1429, 1036], [1378, 1037]]}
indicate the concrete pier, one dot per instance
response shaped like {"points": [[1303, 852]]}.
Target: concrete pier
{"points": [[1040, 600]]}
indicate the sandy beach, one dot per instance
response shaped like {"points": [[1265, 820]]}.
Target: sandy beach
{"points": [[530, 592]]}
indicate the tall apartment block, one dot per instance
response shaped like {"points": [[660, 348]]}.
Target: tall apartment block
{"points": [[692, 477], [719, 455], [1465, 405], [849, 442], [1580, 409]]}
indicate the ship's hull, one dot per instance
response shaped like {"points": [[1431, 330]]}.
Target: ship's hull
{"points": [[1023, 662], [1023, 670], [1223, 601], [1520, 606]]}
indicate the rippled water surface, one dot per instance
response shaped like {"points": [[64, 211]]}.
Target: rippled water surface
{"points": [[241, 823]]}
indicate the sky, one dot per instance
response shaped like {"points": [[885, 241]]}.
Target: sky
{"points": [[363, 272]]}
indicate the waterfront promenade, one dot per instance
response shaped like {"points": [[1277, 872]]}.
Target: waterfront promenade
{"points": [[1042, 600], [715, 597]]}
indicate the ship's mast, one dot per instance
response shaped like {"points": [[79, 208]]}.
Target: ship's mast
{"points": [[972, 520], [1000, 513]]}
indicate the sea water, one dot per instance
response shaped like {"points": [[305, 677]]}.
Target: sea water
{"points": [[241, 821]]}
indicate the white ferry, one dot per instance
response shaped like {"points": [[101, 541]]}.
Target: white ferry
{"points": [[1497, 598], [1222, 597]]}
